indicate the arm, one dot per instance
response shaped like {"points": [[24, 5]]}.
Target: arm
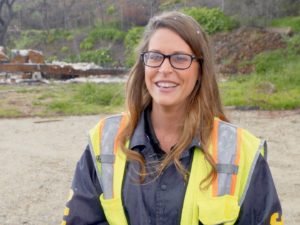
{"points": [[261, 205], [83, 206]]}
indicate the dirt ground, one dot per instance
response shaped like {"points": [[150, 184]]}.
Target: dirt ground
{"points": [[38, 157]]}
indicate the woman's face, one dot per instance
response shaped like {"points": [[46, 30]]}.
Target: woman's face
{"points": [[170, 87]]}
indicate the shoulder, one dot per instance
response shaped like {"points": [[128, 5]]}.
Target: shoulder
{"points": [[106, 121], [246, 142]]}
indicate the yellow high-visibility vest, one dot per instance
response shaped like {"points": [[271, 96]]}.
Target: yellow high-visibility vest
{"points": [[234, 150]]}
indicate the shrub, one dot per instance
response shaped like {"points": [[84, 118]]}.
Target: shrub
{"points": [[101, 57], [212, 20], [87, 44], [132, 39], [101, 33], [64, 49], [29, 39]]}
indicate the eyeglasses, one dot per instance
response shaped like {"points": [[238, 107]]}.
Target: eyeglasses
{"points": [[178, 61]]}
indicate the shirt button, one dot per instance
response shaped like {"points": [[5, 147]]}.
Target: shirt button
{"points": [[163, 187]]}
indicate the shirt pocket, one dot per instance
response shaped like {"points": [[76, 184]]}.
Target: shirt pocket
{"points": [[218, 210]]}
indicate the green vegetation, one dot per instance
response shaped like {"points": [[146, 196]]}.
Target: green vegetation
{"points": [[63, 99], [274, 85], [9, 113], [29, 38], [271, 61], [101, 57], [106, 95], [89, 50], [212, 20], [274, 91], [293, 22], [86, 98], [33, 38], [58, 34], [131, 41], [99, 33]]}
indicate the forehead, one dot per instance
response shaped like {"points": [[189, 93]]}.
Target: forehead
{"points": [[168, 41]]}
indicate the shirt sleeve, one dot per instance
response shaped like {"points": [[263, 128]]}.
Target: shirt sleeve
{"points": [[83, 206], [261, 205]]}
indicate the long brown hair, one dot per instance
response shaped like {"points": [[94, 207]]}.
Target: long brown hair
{"points": [[204, 101]]}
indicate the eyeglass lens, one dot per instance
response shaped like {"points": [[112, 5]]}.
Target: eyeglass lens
{"points": [[178, 61]]}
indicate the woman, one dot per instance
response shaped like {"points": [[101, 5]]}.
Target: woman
{"points": [[173, 158]]}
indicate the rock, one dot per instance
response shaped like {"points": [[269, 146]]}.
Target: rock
{"points": [[3, 57]]}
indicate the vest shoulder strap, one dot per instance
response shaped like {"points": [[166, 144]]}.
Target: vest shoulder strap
{"points": [[225, 150], [104, 149], [109, 158]]}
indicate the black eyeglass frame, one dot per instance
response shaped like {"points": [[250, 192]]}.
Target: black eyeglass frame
{"points": [[193, 57]]}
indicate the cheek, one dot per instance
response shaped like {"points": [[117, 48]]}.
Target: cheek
{"points": [[148, 80], [149, 71], [194, 78], [149, 74]]}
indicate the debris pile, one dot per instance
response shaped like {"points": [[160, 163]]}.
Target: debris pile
{"points": [[30, 66], [27, 56]]}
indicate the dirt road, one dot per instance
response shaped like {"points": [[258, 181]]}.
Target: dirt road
{"points": [[38, 157]]}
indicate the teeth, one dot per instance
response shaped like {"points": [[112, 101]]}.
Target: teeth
{"points": [[166, 84]]}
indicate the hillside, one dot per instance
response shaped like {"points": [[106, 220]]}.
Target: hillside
{"points": [[231, 48]]}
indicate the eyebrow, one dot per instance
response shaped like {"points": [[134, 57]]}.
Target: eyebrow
{"points": [[176, 52]]}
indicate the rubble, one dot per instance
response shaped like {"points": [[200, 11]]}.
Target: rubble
{"points": [[78, 66], [30, 66], [3, 56], [27, 56]]}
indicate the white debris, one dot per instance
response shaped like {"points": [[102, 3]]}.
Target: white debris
{"points": [[102, 79], [77, 66]]}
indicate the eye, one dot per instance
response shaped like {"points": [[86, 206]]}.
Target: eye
{"points": [[154, 56], [181, 58]]}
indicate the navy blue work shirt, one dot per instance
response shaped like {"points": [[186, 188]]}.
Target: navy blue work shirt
{"points": [[159, 200]]}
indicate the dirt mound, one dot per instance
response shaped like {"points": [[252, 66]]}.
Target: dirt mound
{"points": [[231, 49]]}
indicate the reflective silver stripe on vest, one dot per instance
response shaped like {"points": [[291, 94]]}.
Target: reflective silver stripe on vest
{"points": [[265, 149], [227, 146], [107, 157]]}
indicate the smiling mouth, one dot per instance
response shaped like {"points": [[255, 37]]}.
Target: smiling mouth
{"points": [[166, 84]]}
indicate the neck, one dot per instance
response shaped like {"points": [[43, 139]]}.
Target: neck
{"points": [[167, 124]]}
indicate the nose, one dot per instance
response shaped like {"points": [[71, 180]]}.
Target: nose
{"points": [[166, 66]]}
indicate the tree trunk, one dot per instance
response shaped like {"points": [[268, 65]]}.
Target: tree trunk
{"points": [[6, 15], [2, 37]]}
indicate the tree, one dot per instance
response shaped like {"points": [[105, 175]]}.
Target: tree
{"points": [[6, 15]]}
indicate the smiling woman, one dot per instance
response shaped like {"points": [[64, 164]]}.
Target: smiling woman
{"points": [[169, 86], [173, 157]]}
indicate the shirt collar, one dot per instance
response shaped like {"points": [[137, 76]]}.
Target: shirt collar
{"points": [[139, 136]]}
